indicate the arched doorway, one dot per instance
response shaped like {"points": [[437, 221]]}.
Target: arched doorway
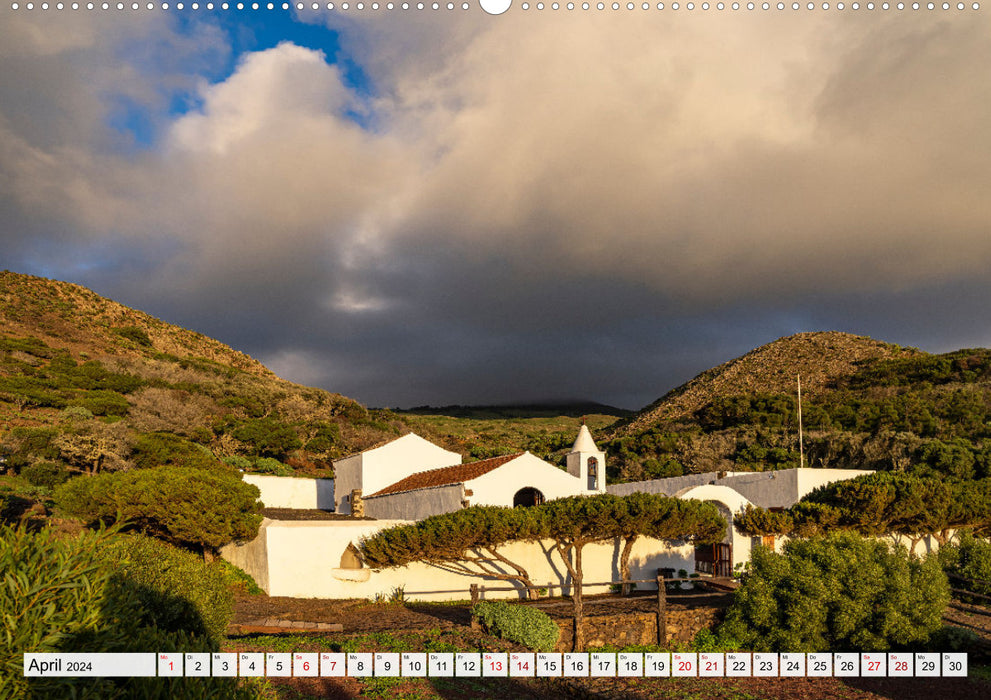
{"points": [[528, 496], [717, 559]]}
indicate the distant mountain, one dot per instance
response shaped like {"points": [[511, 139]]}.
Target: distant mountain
{"points": [[87, 382], [573, 409], [866, 404]]}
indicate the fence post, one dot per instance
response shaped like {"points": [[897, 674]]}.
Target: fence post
{"points": [[662, 612]]}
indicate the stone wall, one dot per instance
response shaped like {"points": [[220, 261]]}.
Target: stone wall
{"points": [[640, 628]]}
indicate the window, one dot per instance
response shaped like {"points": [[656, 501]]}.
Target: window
{"points": [[593, 474]]}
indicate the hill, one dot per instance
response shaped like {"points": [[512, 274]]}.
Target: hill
{"points": [[88, 384], [866, 404], [820, 358]]}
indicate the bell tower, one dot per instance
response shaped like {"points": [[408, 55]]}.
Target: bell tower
{"points": [[587, 462]]}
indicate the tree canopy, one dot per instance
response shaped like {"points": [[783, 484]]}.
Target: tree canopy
{"points": [[879, 504], [198, 508], [464, 541], [468, 541]]}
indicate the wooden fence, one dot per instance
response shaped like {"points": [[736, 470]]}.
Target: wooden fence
{"points": [[476, 591]]}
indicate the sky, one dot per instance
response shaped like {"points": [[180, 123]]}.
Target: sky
{"points": [[449, 207]]}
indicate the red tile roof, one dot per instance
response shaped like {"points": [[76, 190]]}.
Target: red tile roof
{"points": [[446, 475]]}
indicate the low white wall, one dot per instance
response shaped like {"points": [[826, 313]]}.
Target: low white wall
{"points": [[290, 492], [252, 556], [302, 559]]}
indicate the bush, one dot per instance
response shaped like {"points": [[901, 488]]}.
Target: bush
{"points": [[530, 627], [59, 594], [159, 449], [199, 508], [837, 593], [135, 334], [237, 579], [177, 590], [268, 437], [267, 465], [971, 559], [46, 474], [102, 403]]}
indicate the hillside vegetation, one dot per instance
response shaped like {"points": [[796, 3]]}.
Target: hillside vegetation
{"points": [[865, 404], [89, 385]]}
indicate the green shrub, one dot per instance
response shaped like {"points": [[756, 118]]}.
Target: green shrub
{"points": [[177, 590], [237, 579], [238, 462], [102, 403], [530, 627], [199, 508], [950, 638], [159, 449], [836, 593], [971, 559], [267, 465], [135, 334], [74, 413], [60, 594], [46, 474], [268, 437]]}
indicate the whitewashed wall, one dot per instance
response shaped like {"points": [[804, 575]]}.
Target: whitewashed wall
{"points": [[741, 545], [289, 492], [811, 479], [302, 559], [499, 486], [377, 468]]}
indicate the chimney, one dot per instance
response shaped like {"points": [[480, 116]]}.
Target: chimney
{"points": [[357, 504]]}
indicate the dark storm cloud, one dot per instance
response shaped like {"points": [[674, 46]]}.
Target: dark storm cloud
{"points": [[589, 207]]}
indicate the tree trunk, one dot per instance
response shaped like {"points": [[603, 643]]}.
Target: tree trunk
{"points": [[208, 555], [624, 562], [578, 642]]}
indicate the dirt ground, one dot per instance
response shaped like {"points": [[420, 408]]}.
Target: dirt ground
{"points": [[362, 616], [420, 627]]}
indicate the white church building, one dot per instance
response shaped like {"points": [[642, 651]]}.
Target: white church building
{"points": [[410, 478]]}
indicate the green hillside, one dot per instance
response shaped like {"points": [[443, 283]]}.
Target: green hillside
{"points": [[88, 385], [865, 405]]}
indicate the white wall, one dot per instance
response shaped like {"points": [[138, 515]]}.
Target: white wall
{"points": [[289, 492], [741, 545], [302, 557], [347, 477], [400, 458], [499, 486], [811, 479], [374, 469]]}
